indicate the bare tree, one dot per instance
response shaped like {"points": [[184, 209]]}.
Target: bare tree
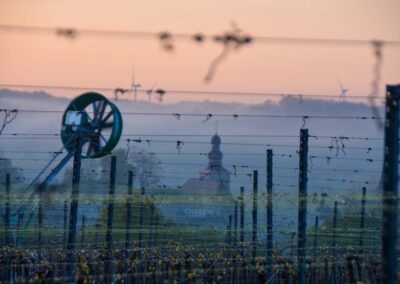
{"points": [[147, 169], [144, 164]]}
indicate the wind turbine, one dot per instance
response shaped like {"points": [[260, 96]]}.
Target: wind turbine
{"points": [[149, 92], [343, 91], [134, 86]]}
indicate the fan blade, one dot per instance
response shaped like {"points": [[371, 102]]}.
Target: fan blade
{"points": [[88, 116], [99, 112], [102, 109], [103, 138], [94, 105], [107, 125], [107, 116], [89, 150]]}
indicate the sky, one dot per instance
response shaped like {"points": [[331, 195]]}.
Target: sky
{"points": [[90, 61]]}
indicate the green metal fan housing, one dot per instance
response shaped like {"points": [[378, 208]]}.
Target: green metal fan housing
{"points": [[96, 120]]}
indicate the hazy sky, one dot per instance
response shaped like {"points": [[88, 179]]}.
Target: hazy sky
{"points": [[44, 59]]}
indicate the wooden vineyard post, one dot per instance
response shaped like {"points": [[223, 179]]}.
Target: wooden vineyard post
{"points": [[65, 223], [7, 212], [242, 222], [269, 215], [110, 216], [335, 210], [229, 231], [235, 223], [315, 239], [129, 213], [390, 184], [241, 270], [73, 216], [362, 218], [140, 237], [40, 219], [302, 222], [83, 230], [254, 228]]}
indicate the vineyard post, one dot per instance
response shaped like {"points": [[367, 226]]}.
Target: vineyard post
{"points": [[292, 246], [242, 227], [96, 235], [229, 231], [140, 236], [362, 217], [83, 229], [73, 216], [129, 213], [7, 257], [40, 219], [235, 239], [315, 239], [269, 214], [155, 232], [141, 218], [151, 224], [242, 221], [235, 223], [390, 183], [335, 209], [7, 211], [254, 230], [18, 236], [110, 216], [302, 220], [65, 223]]}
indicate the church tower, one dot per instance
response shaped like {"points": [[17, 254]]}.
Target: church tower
{"points": [[214, 179], [215, 171]]}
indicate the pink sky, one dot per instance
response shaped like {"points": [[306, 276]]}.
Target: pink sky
{"points": [[40, 59]]}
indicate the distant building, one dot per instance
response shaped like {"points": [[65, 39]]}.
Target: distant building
{"points": [[205, 200], [214, 179]]}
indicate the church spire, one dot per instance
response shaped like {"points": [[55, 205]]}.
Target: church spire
{"points": [[215, 155]]}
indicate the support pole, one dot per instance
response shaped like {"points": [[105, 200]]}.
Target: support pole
{"points": [[19, 236], [302, 221], [235, 223], [151, 224], [362, 218], [65, 223], [6, 268], [315, 239], [229, 231], [390, 183], [7, 212], [254, 230], [83, 230], [242, 221], [40, 219], [269, 216], [335, 208], [110, 218], [141, 219], [155, 230], [129, 213], [73, 216], [140, 238]]}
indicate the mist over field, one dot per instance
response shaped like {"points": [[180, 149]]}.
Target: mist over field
{"points": [[242, 153]]}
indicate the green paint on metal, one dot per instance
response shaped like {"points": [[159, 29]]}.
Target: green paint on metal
{"points": [[98, 122]]}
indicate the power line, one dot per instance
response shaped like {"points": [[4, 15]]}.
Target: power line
{"points": [[187, 92], [208, 116], [207, 135], [196, 37]]}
